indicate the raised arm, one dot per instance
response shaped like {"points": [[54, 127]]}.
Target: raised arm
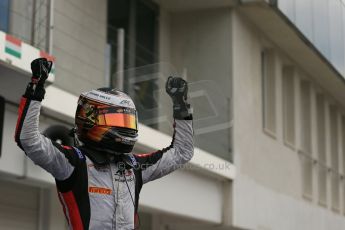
{"points": [[41, 150], [160, 163]]}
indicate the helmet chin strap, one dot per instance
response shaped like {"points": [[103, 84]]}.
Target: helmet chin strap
{"points": [[79, 143], [101, 157], [108, 152]]}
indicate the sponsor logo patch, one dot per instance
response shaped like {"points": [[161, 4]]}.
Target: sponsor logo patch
{"points": [[80, 155], [124, 175], [100, 190], [133, 160]]}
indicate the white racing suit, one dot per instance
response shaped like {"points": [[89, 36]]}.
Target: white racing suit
{"points": [[98, 196]]}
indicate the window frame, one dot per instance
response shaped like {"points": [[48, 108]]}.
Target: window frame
{"points": [[269, 114], [288, 73], [322, 177], [5, 15], [334, 156], [305, 143]]}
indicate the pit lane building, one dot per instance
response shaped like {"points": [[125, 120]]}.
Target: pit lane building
{"points": [[267, 85]]}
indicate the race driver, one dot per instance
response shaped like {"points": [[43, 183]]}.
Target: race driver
{"points": [[99, 179]]}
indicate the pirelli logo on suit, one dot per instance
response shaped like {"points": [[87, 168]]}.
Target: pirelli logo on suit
{"points": [[99, 190]]}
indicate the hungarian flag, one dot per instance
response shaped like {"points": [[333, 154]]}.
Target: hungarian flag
{"points": [[49, 58], [13, 46]]}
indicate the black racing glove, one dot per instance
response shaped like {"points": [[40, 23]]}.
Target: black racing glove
{"points": [[40, 68], [177, 88]]}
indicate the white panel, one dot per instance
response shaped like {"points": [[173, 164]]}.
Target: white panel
{"points": [[60, 102], [180, 5], [187, 194], [258, 207], [23, 64], [37, 173], [2, 45], [29, 53], [12, 158], [18, 207]]}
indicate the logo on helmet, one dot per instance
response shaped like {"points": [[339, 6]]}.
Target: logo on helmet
{"points": [[126, 102]]}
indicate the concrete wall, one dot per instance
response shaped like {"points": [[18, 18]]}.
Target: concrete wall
{"points": [[79, 38], [268, 190]]}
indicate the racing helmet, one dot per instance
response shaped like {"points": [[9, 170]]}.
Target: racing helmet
{"points": [[106, 119]]}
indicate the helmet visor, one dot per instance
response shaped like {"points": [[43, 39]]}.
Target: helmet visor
{"points": [[118, 117]]}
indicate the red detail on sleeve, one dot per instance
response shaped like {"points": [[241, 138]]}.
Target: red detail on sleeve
{"points": [[72, 210], [66, 147], [20, 114], [63, 207], [145, 154], [136, 221], [34, 80]]}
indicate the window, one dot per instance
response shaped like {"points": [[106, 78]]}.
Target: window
{"points": [[343, 141], [307, 175], [29, 21], [333, 116], [321, 30], [138, 21], [343, 153], [268, 88], [288, 7], [321, 149], [2, 117], [289, 106], [41, 20], [4, 10], [305, 145], [305, 117], [336, 38], [303, 17]]}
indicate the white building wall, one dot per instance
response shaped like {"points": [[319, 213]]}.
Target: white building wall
{"points": [[268, 192], [257, 206], [12, 159]]}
